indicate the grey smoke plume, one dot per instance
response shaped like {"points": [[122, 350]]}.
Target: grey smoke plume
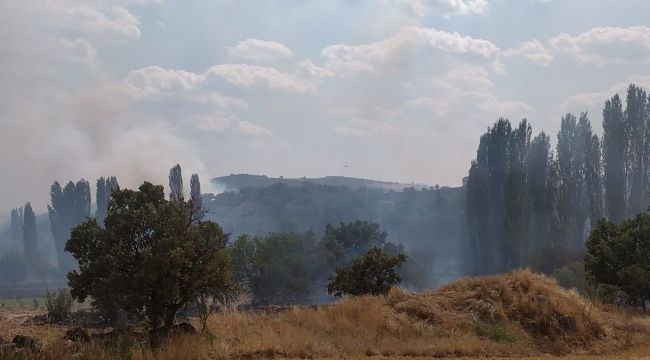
{"points": [[62, 116]]}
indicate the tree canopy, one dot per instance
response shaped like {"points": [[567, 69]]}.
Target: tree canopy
{"points": [[372, 274], [619, 255], [152, 257]]}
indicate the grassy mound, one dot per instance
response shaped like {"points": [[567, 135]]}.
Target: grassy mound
{"points": [[517, 314], [518, 307], [520, 313]]}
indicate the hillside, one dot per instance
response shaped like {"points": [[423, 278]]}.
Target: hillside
{"points": [[430, 222], [235, 182]]}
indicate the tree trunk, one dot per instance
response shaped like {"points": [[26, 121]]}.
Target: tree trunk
{"points": [[170, 316]]}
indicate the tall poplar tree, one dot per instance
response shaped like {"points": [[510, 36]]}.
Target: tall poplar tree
{"points": [[175, 183], [614, 149], [17, 224], [105, 187], [70, 206], [636, 120], [195, 192], [29, 234]]}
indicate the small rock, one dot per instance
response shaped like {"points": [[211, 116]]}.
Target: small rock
{"points": [[77, 335], [543, 299], [24, 342]]}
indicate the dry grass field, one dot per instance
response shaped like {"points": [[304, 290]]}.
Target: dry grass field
{"points": [[522, 315]]}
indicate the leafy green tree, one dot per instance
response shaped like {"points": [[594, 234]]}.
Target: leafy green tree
{"points": [[29, 234], [372, 274], [619, 256], [70, 206], [175, 183], [152, 257]]}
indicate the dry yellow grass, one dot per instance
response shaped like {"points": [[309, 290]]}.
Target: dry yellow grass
{"points": [[517, 314]]}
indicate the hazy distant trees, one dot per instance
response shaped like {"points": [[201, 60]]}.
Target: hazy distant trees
{"points": [[17, 225], [289, 267], [29, 234], [175, 183], [151, 258], [614, 148], [494, 195], [522, 199], [105, 187], [540, 196], [578, 156], [70, 206], [347, 241], [638, 149], [626, 153], [13, 268], [275, 269]]}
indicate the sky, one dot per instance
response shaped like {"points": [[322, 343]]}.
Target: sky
{"points": [[396, 90]]}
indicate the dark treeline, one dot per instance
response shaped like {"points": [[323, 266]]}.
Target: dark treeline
{"points": [[526, 201]]}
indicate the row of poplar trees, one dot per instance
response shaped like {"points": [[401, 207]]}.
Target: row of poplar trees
{"points": [[70, 205], [523, 197]]}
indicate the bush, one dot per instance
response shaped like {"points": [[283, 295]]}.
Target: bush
{"points": [[373, 274], [571, 276], [618, 257], [58, 305]]}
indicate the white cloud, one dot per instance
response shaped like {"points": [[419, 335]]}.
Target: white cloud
{"points": [[154, 80], [465, 92], [444, 7], [260, 50], [221, 123], [95, 18], [369, 122], [594, 101], [533, 50], [406, 43], [607, 45], [244, 75]]}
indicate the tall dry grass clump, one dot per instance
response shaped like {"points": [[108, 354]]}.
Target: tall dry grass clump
{"points": [[361, 326], [521, 303]]}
